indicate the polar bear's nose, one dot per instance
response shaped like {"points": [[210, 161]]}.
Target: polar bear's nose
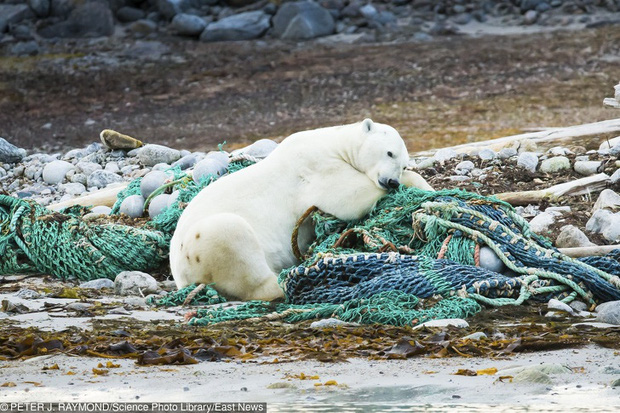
{"points": [[389, 183]]}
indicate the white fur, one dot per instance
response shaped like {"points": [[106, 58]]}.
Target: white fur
{"points": [[236, 233]]}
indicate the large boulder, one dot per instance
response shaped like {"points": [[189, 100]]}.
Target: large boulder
{"points": [[242, 26], [302, 20], [10, 153], [88, 20]]}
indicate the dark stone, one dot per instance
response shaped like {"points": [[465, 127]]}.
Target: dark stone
{"points": [[29, 48], [170, 8], [40, 7], [62, 8], [89, 20], [302, 20], [130, 14], [243, 26], [15, 13], [10, 153]]}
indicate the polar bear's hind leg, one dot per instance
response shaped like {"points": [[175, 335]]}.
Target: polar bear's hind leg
{"points": [[223, 249]]}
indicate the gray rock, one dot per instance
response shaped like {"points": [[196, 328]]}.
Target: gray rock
{"points": [[101, 210], [186, 162], [158, 205], [571, 237], [541, 223], [15, 13], [608, 199], [129, 14], [87, 168], [78, 178], [475, 336], [587, 168], [88, 20], [555, 164], [601, 219], [112, 167], [463, 168], [532, 376], [101, 179], [454, 322], [72, 188], [487, 154], [530, 17], [558, 305], [27, 294], [29, 48], [261, 148], [459, 178], [609, 370], [206, 167], [151, 155], [40, 7], [615, 177], [98, 284], [135, 301], [445, 154], [609, 313], [242, 26], [220, 156], [135, 283], [331, 323], [490, 261], [152, 181], [506, 153], [132, 206], [170, 8], [612, 232], [187, 24], [578, 306], [559, 151], [173, 198], [302, 20], [10, 153], [55, 172], [528, 160], [78, 306]]}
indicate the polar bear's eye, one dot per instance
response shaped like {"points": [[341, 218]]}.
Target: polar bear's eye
{"points": [[390, 154]]}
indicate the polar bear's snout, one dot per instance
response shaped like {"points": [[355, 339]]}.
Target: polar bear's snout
{"points": [[389, 183]]}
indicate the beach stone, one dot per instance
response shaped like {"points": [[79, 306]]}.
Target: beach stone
{"points": [[558, 305], [615, 177], [10, 153], [132, 206], [158, 205], [609, 143], [14, 13], [302, 20], [98, 284], [571, 237], [599, 220], [29, 48], [587, 168], [506, 153], [490, 260], [78, 178], [463, 168], [112, 167], [27, 294], [55, 172], [220, 156], [612, 232], [143, 27], [114, 140], [445, 154], [208, 166], [261, 148], [559, 151], [541, 223], [555, 164], [242, 26], [151, 155], [445, 322], [101, 210], [609, 370], [87, 168], [173, 198], [608, 199], [332, 322], [72, 188], [170, 8], [186, 162], [87, 20], [578, 306], [459, 178], [152, 181], [475, 336], [615, 383], [135, 283], [129, 14], [530, 17], [101, 178], [487, 154], [528, 160], [532, 376], [609, 313], [40, 7], [187, 24]]}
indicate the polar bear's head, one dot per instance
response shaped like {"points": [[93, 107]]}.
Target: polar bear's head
{"points": [[383, 155]]}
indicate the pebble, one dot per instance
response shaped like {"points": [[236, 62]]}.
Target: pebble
{"points": [[609, 312], [219, 156], [528, 160], [152, 181], [27, 294], [506, 153], [332, 322], [445, 322], [445, 154], [187, 24], [571, 236], [541, 223], [173, 198], [558, 305], [55, 172], [578, 306], [135, 283], [612, 232], [559, 151], [112, 167], [151, 155], [186, 162], [599, 220], [98, 284], [132, 206], [206, 167], [615, 177], [261, 148], [609, 370], [607, 199], [487, 154], [463, 168], [158, 205], [72, 188], [88, 168], [101, 179], [475, 336], [587, 168], [101, 210], [555, 164], [78, 306], [490, 260]]}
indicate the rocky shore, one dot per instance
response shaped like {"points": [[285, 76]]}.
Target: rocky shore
{"points": [[29, 27]]}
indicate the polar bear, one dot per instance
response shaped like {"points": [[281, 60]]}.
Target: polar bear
{"points": [[236, 232]]}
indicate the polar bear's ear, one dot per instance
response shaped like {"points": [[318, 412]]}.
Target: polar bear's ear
{"points": [[367, 125]]}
